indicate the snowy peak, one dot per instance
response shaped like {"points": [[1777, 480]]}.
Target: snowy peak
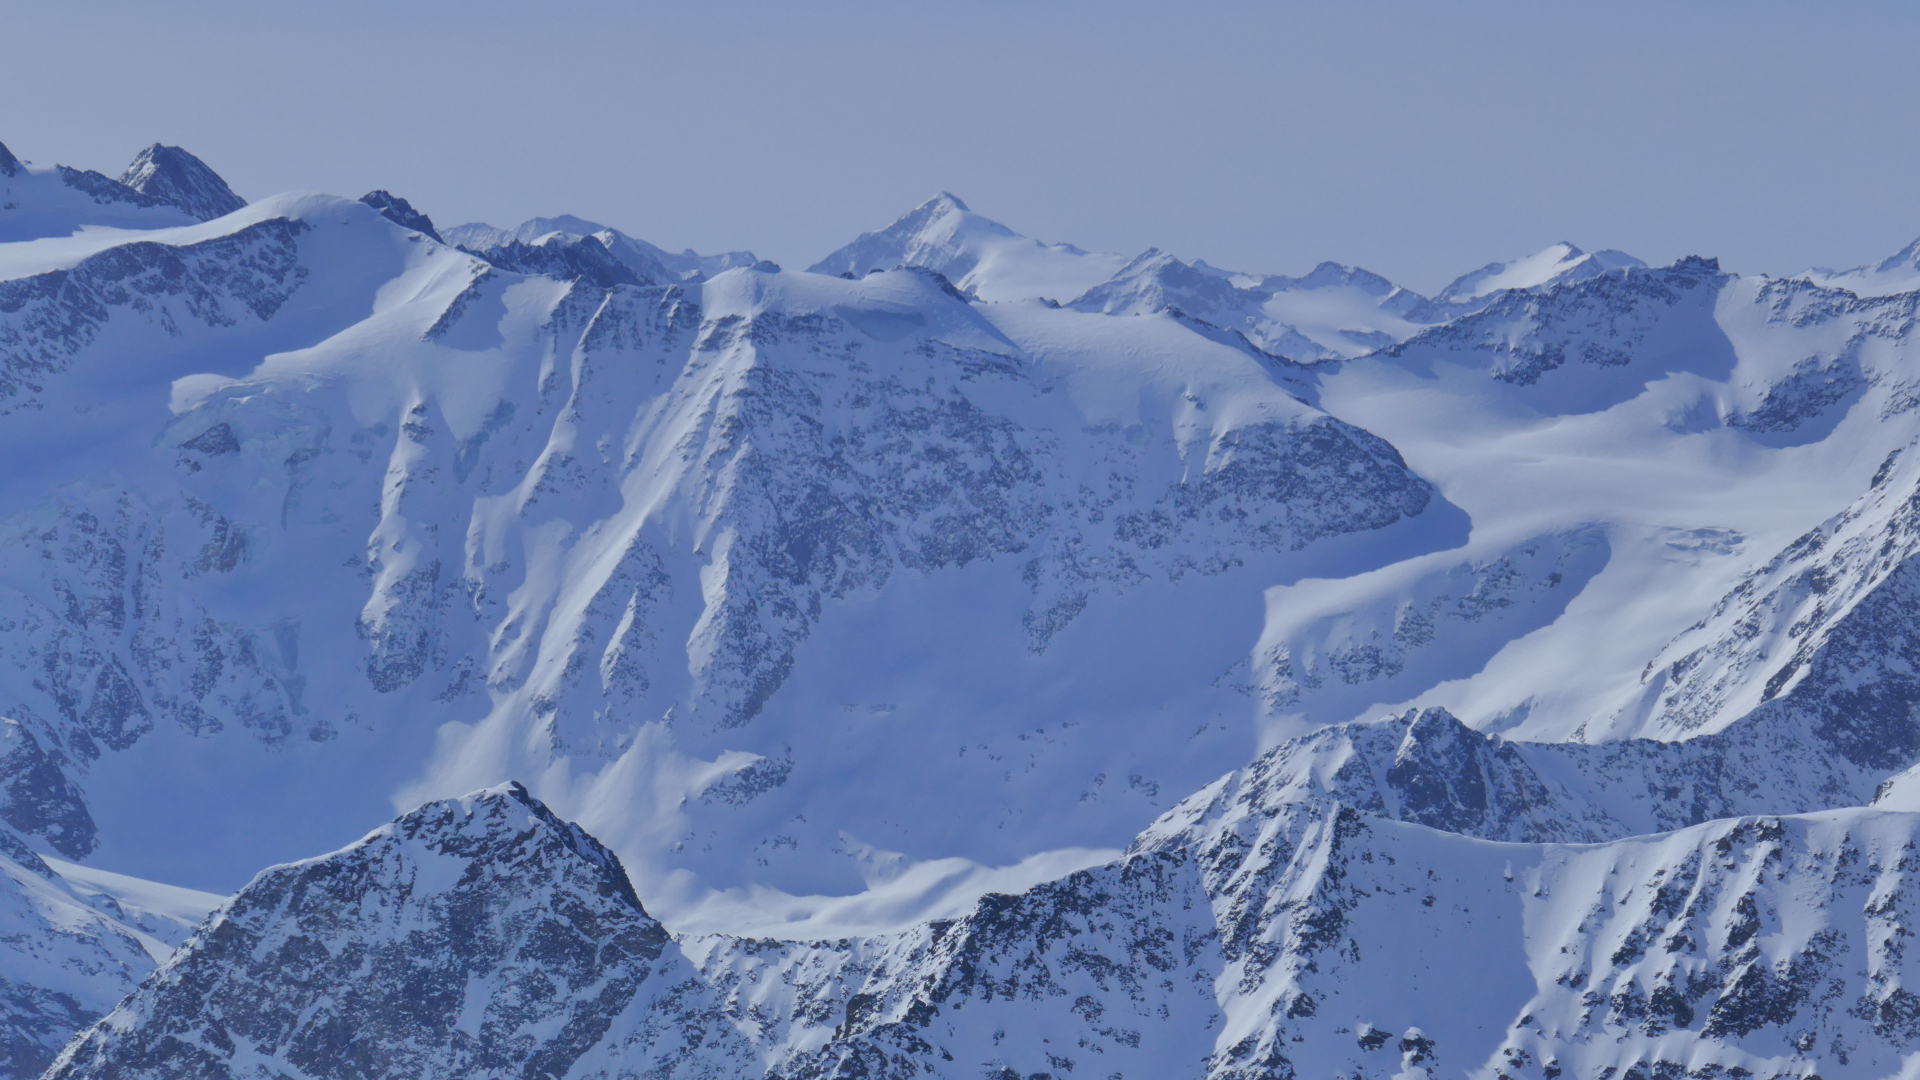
{"points": [[177, 178], [400, 212], [567, 257], [1907, 258], [524, 927], [38, 202], [943, 203], [939, 234], [1544, 269], [1897, 273], [1335, 312], [647, 261], [1156, 281], [1615, 329], [976, 253]]}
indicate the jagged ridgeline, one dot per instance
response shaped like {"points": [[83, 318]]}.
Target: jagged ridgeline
{"points": [[971, 657]]}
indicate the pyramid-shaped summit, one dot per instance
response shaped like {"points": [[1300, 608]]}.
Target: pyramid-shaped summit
{"points": [[176, 177]]}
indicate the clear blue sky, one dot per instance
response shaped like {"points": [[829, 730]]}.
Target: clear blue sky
{"points": [[1416, 139]]}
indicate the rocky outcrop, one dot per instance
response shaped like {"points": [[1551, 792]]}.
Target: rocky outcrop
{"points": [[1245, 935], [1820, 638], [400, 212], [179, 179], [1656, 317], [477, 936], [48, 319]]}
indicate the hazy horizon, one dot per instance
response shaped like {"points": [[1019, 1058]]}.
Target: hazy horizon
{"points": [[1418, 140]]}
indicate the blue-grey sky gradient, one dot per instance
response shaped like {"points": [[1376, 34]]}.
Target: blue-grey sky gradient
{"points": [[1418, 139]]}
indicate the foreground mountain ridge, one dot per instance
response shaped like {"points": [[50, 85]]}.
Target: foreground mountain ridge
{"points": [[881, 616], [1245, 934]]}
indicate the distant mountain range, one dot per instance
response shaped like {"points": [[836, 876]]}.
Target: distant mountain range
{"points": [[968, 657]]}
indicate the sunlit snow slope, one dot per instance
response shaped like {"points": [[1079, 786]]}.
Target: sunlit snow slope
{"points": [[884, 620]]}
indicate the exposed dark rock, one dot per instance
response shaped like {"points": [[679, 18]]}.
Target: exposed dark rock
{"points": [[476, 936], [175, 177], [400, 212]]}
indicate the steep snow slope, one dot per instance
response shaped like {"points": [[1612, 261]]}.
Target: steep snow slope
{"points": [[669, 554], [633, 532], [869, 622], [808, 460], [977, 254], [1694, 423], [109, 631]]}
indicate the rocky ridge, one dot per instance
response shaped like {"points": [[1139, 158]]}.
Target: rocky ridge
{"points": [[572, 508], [1246, 934]]}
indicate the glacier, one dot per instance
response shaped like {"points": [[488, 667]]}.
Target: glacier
{"points": [[970, 656]]}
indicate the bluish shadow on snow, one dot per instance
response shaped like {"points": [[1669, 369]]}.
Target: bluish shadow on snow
{"points": [[1442, 526], [1332, 649], [917, 722]]}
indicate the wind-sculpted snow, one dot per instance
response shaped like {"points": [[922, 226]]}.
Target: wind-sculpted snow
{"points": [[1328, 660]]}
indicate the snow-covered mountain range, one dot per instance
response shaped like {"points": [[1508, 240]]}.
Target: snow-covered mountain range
{"points": [[972, 656]]}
